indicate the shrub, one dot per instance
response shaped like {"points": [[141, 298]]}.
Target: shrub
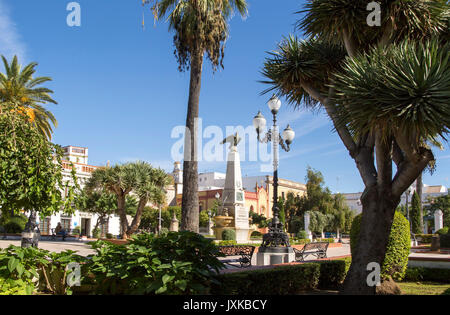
{"points": [[300, 241], [427, 274], [96, 233], [109, 236], [397, 251], [13, 287], [256, 234], [332, 273], [227, 243], [444, 240], [325, 240], [302, 234], [424, 238], [179, 263], [442, 231], [15, 224], [76, 230], [25, 270], [229, 235], [276, 281]]}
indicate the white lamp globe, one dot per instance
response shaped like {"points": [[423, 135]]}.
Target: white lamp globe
{"points": [[274, 104], [259, 122], [288, 135]]}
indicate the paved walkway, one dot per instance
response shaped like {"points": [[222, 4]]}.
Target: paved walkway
{"points": [[81, 248]]}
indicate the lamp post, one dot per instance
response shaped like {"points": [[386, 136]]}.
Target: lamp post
{"points": [[276, 239]]}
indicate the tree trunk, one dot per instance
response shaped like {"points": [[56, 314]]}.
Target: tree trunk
{"points": [[122, 215], [378, 214], [189, 205], [137, 218]]}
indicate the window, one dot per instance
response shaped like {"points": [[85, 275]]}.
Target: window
{"points": [[44, 226], [65, 223]]}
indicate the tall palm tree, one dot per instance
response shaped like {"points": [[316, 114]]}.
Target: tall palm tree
{"points": [[200, 27], [20, 90], [386, 90], [138, 179]]}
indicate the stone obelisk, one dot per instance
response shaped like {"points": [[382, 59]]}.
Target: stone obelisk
{"points": [[233, 197]]}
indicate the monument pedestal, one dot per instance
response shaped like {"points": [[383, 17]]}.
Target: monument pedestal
{"points": [[242, 235], [274, 255]]}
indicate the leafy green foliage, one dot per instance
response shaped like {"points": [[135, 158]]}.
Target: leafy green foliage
{"points": [[14, 224], [27, 270], [418, 74], [397, 251], [275, 281], [30, 168], [150, 217], [179, 263], [18, 87], [138, 178], [229, 235], [199, 26], [258, 219], [443, 231], [427, 274], [439, 203], [416, 220]]}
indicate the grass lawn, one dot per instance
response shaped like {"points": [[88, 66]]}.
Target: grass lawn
{"points": [[423, 288]]}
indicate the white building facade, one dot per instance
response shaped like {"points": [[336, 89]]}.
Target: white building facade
{"points": [[85, 222], [353, 200]]}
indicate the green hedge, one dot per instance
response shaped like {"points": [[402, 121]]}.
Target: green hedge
{"points": [[281, 280], [427, 274], [333, 272], [424, 238], [229, 235], [444, 240], [397, 251], [442, 231]]}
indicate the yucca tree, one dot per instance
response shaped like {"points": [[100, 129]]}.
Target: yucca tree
{"points": [[138, 179], [20, 90], [387, 91], [200, 28]]}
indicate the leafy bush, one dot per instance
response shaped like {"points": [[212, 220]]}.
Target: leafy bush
{"points": [[424, 238], [13, 287], [444, 240], [325, 240], [76, 230], [179, 263], [276, 281], [25, 270], [397, 251], [300, 241], [256, 234], [14, 224], [427, 274], [229, 235], [302, 234], [227, 243], [442, 231], [332, 273], [96, 233], [109, 236]]}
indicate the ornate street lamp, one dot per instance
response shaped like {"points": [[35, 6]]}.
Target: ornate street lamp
{"points": [[276, 239]]}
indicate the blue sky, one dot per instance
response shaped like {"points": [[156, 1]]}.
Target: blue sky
{"points": [[120, 92]]}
